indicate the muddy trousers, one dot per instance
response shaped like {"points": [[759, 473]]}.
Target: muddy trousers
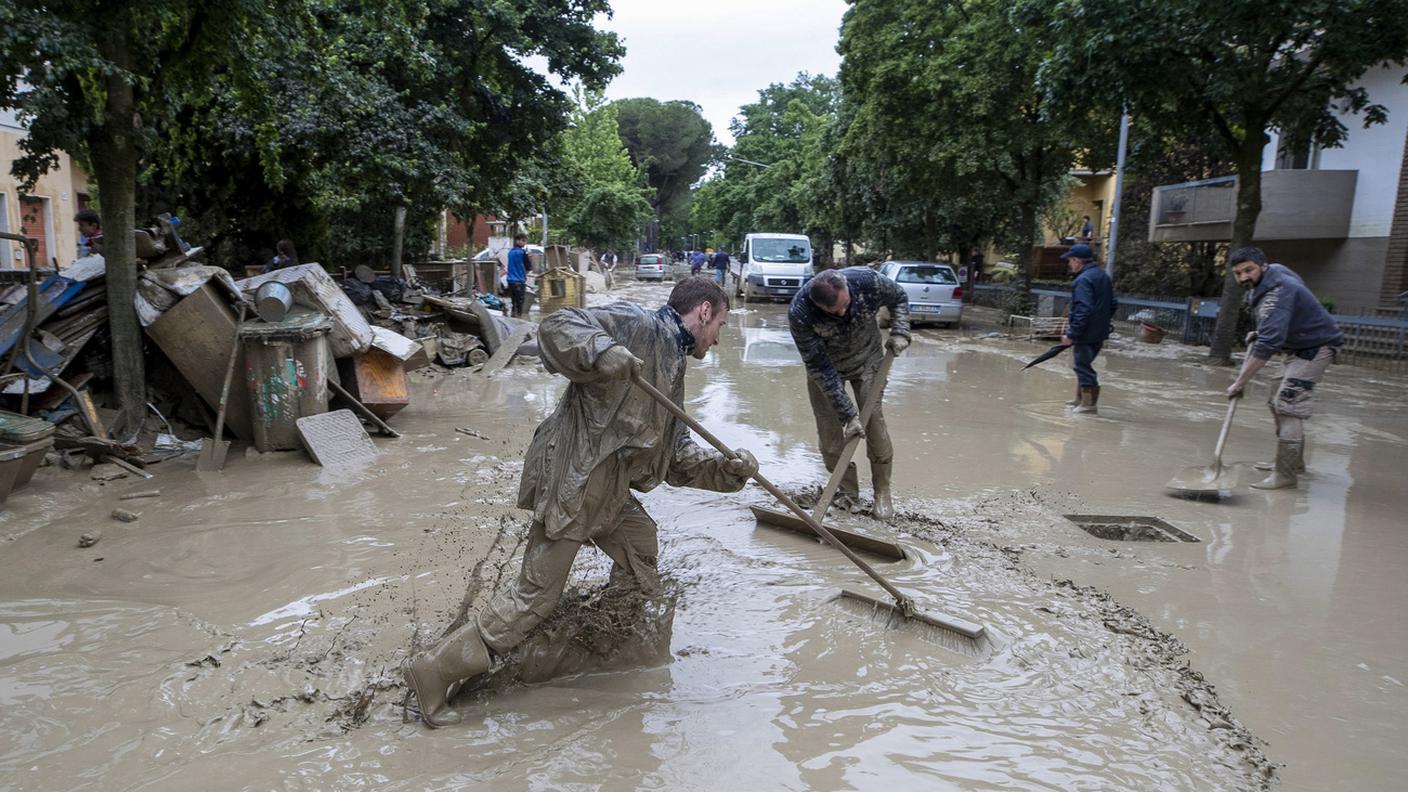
{"points": [[1084, 365], [833, 442], [517, 290], [516, 609]]}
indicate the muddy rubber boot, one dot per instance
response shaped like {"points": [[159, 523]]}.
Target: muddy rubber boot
{"points": [[884, 507], [848, 494], [1076, 401], [1287, 454], [1087, 400], [460, 656], [1300, 462]]}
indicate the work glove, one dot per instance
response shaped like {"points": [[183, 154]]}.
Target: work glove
{"points": [[852, 429], [745, 466], [617, 362], [897, 344]]}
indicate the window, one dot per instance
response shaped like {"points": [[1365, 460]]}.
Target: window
{"points": [[36, 224], [782, 251], [927, 274]]}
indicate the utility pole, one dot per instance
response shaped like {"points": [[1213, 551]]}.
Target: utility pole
{"points": [[545, 230], [1119, 189]]}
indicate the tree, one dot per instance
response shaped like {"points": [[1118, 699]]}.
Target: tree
{"points": [[946, 136], [612, 204], [91, 77], [672, 144], [1241, 68]]}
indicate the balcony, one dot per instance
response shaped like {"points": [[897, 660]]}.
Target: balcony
{"points": [[1295, 204]]}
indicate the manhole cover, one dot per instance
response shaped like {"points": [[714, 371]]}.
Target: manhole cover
{"points": [[1126, 528]]}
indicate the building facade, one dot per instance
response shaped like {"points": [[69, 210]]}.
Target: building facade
{"points": [[43, 213], [1337, 216]]}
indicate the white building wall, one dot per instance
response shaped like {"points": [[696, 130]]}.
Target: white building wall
{"points": [[1376, 152]]}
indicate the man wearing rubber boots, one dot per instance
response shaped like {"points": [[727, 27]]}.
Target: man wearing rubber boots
{"points": [[606, 438], [1288, 319], [1093, 306], [833, 322]]}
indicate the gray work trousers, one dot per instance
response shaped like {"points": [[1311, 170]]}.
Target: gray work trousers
{"points": [[516, 609], [829, 430]]}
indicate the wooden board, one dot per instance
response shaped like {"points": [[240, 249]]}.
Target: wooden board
{"points": [[506, 351], [377, 380], [197, 334]]}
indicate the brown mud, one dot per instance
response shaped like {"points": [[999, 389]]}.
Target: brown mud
{"points": [[250, 627]]}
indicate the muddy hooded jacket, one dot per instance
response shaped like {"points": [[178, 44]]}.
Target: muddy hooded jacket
{"points": [[1288, 316], [840, 348], [607, 436], [1093, 306]]}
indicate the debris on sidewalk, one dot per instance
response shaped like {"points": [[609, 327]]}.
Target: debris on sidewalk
{"points": [[336, 438]]}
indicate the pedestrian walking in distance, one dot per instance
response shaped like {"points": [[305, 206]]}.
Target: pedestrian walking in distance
{"points": [[1093, 307]]}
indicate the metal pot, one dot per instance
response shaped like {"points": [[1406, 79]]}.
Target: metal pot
{"points": [[273, 301]]}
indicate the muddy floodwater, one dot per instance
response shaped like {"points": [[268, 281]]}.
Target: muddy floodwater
{"points": [[247, 630]]}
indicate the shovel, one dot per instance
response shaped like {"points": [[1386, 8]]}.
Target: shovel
{"points": [[953, 632], [778, 519], [212, 449], [1200, 481]]}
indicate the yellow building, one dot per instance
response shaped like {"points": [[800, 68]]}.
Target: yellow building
{"points": [[44, 213], [1092, 193]]}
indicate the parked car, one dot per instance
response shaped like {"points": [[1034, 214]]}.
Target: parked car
{"points": [[650, 266], [933, 290]]}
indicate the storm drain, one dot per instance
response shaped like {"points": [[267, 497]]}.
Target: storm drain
{"points": [[1125, 528]]}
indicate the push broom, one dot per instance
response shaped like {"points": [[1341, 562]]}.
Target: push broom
{"points": [[951, 632]]}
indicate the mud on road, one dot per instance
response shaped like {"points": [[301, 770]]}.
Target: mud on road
{"points": [[247, 631]]}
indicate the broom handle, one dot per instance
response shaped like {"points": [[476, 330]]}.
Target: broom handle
{"points": [[872, 398], [903, 602], [1222, 435]]}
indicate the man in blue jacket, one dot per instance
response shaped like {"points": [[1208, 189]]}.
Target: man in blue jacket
{"points": [[518, 268], [1093, 307], [1288, 319]]}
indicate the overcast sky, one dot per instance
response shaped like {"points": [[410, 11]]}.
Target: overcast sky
{"points": [[720, 53]]}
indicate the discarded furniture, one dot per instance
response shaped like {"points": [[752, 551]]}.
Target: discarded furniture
{"points": [[376, 379], [195, 335], [314, 288], [561, 288], [23, 441], [286, 367]]}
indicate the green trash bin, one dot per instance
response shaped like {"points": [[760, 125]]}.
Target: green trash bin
{"points": [[287, 364]]}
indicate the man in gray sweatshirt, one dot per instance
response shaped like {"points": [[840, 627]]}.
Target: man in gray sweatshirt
{"points": [[1288, 319]]}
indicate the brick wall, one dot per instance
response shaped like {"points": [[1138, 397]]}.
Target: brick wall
{"points": [[1395, 279]]}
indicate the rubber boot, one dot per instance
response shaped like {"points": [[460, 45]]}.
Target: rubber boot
{"points": [[460, 656], [1287, 454], [1088, 395], [884, 506], [1076, 401], [1300, 462]]}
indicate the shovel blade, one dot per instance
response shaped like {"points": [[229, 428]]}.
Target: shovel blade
{"points": [[1204, 480], [212, 455]]}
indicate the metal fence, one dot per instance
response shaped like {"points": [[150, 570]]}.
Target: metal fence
{"points": [[1376, 342]]}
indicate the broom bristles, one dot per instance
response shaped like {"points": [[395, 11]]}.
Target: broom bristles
{"points": [[951, 632]]}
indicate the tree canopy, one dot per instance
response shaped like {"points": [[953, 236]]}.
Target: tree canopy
{"points": [[672, 144]]}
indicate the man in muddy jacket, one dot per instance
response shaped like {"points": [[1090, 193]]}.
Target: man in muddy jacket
{"points": [[1288, 319], [606, 438], [1093, 307], [833, 322]]}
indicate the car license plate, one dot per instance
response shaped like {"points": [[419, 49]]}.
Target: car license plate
{"points": [[925, 308]]}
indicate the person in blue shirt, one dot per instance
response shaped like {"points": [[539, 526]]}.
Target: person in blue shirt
{"points": [[1093, 307], [1288, 319], [518, 268]]}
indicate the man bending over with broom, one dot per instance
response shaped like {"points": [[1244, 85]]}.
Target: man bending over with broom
{"points": [[606, 438]]}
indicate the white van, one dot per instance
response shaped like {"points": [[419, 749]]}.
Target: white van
{"points": [[772, 265]]}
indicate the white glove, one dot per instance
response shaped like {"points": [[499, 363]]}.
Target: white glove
{"points": [[745, 466], [617, 362], [897, 344], [853, 429]]}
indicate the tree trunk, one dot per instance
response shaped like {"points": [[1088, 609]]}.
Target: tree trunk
{"points": [[1229, 307], [398, 237], [113, 148], [1026, 251]]}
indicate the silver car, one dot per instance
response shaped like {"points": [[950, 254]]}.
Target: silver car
{"points": [[933, 290], [650, 266]]}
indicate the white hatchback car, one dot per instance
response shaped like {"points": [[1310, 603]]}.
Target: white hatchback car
{"points": [[933, 290]]}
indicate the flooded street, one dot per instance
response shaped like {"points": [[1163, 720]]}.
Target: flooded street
{"points": [[247, 631]]}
